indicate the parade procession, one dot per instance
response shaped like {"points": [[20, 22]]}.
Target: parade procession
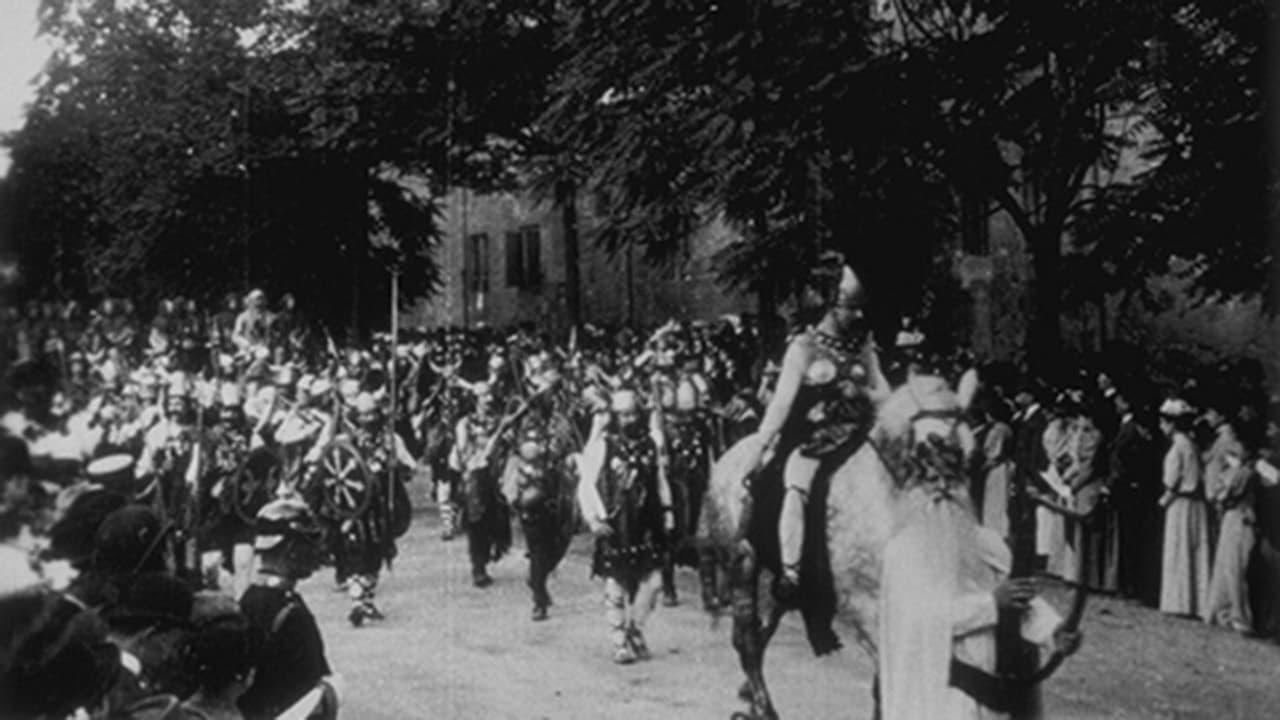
{"points": [[898, 359]]}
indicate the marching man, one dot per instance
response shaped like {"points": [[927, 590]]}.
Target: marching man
{"points": [[626, 502]]}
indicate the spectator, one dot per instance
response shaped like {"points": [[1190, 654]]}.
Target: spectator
{"points": [[54, 657], [222, 659], [1264, 576], [17, 570], [291, 659], [997, 466], [1228, 478], [1184, 584], [1134, 485]]}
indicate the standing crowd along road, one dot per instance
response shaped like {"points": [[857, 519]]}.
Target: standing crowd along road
{"points": [[166, 485]]}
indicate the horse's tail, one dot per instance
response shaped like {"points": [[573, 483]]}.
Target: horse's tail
{"points": [[726, 513]]}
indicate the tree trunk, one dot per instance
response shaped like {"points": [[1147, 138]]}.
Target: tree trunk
{"points": [[1045, 337], [566, 196]]}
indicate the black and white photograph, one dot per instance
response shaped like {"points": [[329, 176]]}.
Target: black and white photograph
{"points": [[639, 359]]}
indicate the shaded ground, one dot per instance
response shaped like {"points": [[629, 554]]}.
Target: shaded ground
{"points": [[448, 650]]}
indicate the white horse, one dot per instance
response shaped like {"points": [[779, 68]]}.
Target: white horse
{"points": [[864, 496]]}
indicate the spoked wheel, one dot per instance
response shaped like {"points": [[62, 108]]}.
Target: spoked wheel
{"points": [[345, 480], [255, 482]]}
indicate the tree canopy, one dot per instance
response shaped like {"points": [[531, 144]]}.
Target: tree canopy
{"points": [[189, 147], [815, 125], [191, 144]]}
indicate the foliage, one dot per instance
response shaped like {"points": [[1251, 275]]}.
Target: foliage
{"points": [[814, 125], [1208, 193], [193, 147], [752, 111]]}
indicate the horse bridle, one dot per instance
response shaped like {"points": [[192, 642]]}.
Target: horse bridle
{"points": [[951, 415]]}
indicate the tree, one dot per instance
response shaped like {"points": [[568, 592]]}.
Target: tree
{"points": [[817, 125], [209, 145], [1206, 193], [1044, 107], [684, 112]]}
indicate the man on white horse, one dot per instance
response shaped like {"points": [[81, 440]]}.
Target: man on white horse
{"points": [[823, 404]]}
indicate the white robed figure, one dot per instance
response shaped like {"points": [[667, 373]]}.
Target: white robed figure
{"points": [[944, 579]]}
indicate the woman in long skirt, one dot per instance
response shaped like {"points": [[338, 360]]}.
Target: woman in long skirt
{"points": [[1184, 586], [997, 465], [1228, 485]]}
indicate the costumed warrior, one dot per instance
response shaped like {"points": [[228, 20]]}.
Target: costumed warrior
{"points": [[485, 516], [170, 465], [821, 409], [368, 540], [538, 479], [625, 500], [224, 535], [691, 446]]}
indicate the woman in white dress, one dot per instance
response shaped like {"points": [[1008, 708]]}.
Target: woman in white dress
{"points": [[1228, 479], [997, 466], [1184, 585]]}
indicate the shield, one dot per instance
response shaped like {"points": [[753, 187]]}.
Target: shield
{"points": [[346, 485], [255, 482]]}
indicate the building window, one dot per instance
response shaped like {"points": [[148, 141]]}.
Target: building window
{"points": [[478, 263], [524, 258]]}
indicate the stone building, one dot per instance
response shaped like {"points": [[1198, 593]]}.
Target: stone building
{"points": [[502, 256]]}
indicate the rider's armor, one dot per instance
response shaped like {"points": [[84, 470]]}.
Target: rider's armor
{"points": [[832, 408]]}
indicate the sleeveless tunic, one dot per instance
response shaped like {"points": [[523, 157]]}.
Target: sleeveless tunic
{"points": [[628, 487]]}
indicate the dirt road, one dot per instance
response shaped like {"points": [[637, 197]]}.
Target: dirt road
{"points": [[448, 650]]}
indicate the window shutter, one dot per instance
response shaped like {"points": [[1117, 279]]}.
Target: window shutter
{"points": [[515, 269], [533, 257]]}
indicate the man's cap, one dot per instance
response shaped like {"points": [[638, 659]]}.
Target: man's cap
{"points": [[112, 472], [283, 518]]}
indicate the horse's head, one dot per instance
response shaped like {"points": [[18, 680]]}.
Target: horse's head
{"points": [[921, 430]]}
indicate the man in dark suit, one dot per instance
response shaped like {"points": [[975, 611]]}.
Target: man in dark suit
{"points": [[1134, 482], [1029, 458]]}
